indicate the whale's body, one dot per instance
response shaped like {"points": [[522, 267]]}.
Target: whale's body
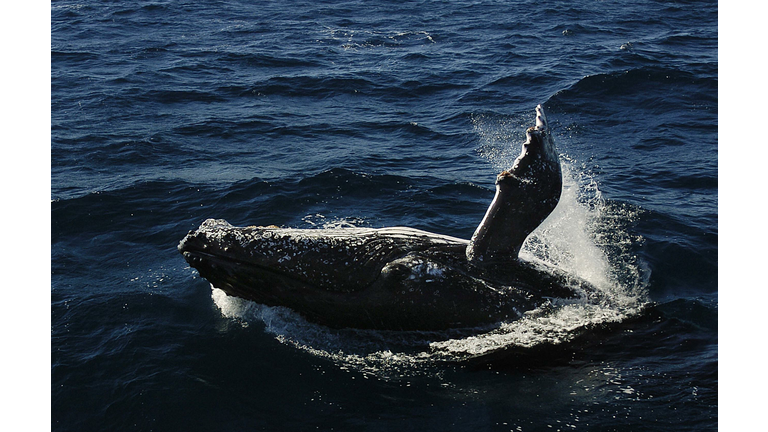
{"points": [[400, 278]]}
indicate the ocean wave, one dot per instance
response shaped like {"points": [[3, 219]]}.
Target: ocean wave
{"points": [[631, 87]]}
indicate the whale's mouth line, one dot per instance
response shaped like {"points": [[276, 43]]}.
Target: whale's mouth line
{"points": [[216, 262]]}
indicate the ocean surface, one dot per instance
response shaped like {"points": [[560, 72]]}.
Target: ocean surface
{"points": [[318, 114]]}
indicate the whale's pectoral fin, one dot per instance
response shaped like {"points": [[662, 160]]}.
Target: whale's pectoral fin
{"points": [[525, 195]]}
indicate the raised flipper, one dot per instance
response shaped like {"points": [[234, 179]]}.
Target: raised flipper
{"points": [[525, 195]]}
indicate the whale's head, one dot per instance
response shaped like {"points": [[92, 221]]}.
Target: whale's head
{"points": [[276, 259]]}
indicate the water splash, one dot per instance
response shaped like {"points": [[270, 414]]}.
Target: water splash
{"points": [[380, 354], [571, 239], [500, 138], [320, 221]]}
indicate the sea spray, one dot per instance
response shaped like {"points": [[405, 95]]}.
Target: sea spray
{"points": [[565, 238], [568, 239]]}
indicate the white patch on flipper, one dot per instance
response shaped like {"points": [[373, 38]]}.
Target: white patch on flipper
{"points": [[541, 119]]}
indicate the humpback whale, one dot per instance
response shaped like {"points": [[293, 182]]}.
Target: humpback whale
{"points": [[400, 278]]}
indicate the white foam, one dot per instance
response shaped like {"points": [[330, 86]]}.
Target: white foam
{"points": [[565, 239]]}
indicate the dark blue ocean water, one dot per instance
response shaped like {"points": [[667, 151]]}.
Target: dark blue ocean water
{"points": [[349, 113]]}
